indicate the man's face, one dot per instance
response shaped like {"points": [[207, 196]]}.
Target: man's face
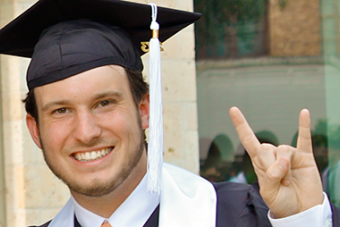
{"points": [[90, 129]]}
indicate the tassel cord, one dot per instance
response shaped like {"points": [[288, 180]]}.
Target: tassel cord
{"points": [[155, 146]]}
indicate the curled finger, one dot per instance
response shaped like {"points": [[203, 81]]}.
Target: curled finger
{"points": [[265, 156], [286, 152], [272, 182]]}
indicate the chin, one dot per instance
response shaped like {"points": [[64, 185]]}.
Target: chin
{"points": [[97, 188]]}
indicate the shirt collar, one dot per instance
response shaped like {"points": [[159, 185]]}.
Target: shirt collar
{"points": [[134, 211]]}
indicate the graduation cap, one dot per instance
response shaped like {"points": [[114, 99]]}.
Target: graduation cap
{"points": [[21, 35], [67, 37]]}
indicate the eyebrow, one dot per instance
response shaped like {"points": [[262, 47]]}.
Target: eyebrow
{"points": [[116, 94], [56, 103]]}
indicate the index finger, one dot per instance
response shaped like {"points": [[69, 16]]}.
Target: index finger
{"points": [[304, 140], [245, 133]]}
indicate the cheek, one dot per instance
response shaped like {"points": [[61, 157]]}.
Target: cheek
{"points": [[127, 128], [121, 122], [54, 136]]}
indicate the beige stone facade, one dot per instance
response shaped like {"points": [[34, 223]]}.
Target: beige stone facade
{"points": [[294, 30], [29, 192]]}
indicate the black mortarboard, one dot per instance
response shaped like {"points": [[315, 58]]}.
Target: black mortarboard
{"points": [[58, 23]]}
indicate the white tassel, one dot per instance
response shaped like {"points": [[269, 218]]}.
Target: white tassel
{"points": [[155, 147]]}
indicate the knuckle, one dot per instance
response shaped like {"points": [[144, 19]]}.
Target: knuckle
{"points": [[283, 146], [268, 146], [285, 149], [264, 148]]}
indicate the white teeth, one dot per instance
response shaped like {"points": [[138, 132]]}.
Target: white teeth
{"points": [[93, 155]]}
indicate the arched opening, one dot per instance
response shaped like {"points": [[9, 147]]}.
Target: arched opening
{"points": [[219, 158]]}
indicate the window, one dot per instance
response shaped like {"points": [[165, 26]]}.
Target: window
{"points": [[231, 29]]}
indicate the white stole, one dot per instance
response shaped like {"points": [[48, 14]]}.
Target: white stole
{"points": [[186, 200]]}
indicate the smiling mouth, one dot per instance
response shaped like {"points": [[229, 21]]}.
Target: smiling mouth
{"points": [[92, 155]]}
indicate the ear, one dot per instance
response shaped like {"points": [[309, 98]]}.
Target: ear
{"points": [[34, 130], [144, 111]]}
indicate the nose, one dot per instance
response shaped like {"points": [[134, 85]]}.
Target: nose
{"points": [[86, 127]]}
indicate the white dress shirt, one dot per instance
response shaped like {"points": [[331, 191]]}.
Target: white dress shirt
{"points": [[133, 212]]}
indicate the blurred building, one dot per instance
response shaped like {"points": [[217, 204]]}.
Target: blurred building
{"points": [[271, 58]]}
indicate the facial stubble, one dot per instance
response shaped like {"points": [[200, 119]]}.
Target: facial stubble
{"points": [[97, 187]]}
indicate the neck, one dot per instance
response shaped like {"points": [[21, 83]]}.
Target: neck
{"points": [[106, 205]]}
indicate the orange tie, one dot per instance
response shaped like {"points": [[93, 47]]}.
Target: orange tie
{"points": [[106, 224]]}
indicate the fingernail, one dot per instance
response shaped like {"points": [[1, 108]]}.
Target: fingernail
{"points": [[286, 182]]}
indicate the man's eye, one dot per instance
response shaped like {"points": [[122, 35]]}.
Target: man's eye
{"points": [[61, 111], [104, 103]]}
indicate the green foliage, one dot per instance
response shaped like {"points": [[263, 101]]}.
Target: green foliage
{"points": [[217, 15], [283, 4], [244, 10]]}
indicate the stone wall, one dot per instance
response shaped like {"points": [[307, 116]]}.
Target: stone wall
{"points": [[294, 30], [32, 194]]}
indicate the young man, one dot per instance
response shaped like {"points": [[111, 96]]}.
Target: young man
{"points": [[88, 107]]}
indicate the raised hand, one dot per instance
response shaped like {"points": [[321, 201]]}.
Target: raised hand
{"points": [[288, 176]]}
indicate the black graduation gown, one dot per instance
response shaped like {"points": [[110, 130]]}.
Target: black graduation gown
{"points": [[238, 205]]}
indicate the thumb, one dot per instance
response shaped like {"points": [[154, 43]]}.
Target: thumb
{"points": [[272, 182]]}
